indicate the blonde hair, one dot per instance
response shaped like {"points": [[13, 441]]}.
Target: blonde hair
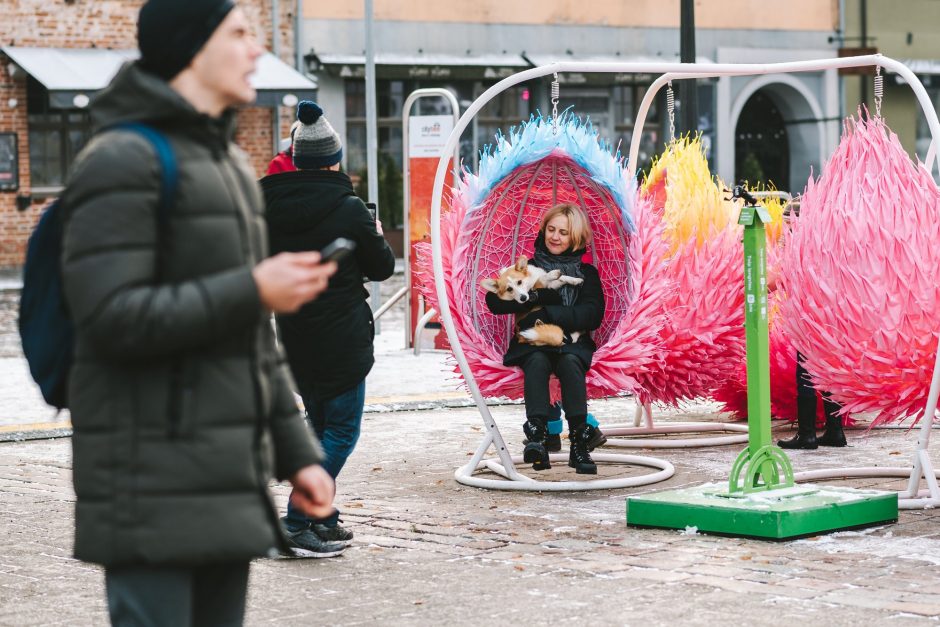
{"points": [[579, 229]]}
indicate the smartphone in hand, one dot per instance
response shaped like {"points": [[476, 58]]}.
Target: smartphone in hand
{"points": [[337, 249]]}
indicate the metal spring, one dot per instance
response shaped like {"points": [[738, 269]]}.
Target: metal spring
{"points": [[556, 94], [671, 109], [879, 90]]}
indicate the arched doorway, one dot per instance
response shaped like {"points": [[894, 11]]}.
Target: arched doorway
{"points": [[761, 143]]}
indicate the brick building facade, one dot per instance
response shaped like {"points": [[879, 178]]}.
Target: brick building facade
{"points": [[102, 24]]}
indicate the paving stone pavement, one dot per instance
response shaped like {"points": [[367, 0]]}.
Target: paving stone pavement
{"points": [[430, 551]]}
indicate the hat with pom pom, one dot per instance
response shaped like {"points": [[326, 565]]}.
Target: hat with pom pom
{"points": [[316, 144]]}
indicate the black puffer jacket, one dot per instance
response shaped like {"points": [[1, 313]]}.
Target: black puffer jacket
{"points": [[586, 314], [180, 402], [329, 341]]}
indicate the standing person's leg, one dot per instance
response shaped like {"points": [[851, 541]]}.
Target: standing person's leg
{"points": [[304, 541], [570, 371], [536, 368], [219, 592], [337, 425], [805, 437], [149, 596]]}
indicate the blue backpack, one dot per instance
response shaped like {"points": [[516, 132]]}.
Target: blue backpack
{"points": [[45, 326]]}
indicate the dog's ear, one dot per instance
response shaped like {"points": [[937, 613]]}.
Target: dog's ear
{"points": [[522, 263], [490, 285]]}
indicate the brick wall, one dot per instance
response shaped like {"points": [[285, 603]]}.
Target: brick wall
{"points": [[105, 24]]}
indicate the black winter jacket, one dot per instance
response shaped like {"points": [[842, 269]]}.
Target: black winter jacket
{"points": [[329, 341], [586, 314], [181, 404]]}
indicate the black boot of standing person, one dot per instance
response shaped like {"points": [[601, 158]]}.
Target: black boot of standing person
{"points": [[834, 435], [805, 437], [535, 452], [578, 456]]}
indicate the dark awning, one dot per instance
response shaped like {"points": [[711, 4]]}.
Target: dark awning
{"points": [[71, 75]]}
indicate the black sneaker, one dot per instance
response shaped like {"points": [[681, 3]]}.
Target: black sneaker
{"points": [[306, 543], [336, 533]]}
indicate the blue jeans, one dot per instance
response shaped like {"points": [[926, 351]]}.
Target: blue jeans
{"points": [[336, 422]]}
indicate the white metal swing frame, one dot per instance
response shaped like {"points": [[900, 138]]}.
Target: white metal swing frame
{"points": [[505, 464]]}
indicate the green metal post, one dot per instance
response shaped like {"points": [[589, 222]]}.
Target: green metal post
{"points": [[767, 467], [755, 328]]}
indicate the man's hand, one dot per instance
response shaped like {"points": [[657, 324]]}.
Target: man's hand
{"points": [[378, 227], [289, 280], [313, 491]]}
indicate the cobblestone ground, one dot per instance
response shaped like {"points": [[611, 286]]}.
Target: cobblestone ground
{"points": [[429, 551]]}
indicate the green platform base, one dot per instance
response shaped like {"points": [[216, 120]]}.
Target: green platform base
{"points": [[777, 514]]}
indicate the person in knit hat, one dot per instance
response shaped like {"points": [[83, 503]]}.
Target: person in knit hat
{"points": [[316, 144], [181, 401], [329, 341]]}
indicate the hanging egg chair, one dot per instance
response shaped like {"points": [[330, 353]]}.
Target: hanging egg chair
{"points": [[493, 217], [862, 300]]}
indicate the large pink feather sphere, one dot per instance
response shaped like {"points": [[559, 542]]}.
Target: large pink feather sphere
{"points": [[861, 267]]}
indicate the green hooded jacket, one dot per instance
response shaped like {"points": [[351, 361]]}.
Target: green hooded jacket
{"points": [[181, 404]]}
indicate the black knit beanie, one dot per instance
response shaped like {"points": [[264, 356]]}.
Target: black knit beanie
{"points": [[171, 32]]}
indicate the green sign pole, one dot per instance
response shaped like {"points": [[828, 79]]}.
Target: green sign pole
{"points": [[765, 466]]}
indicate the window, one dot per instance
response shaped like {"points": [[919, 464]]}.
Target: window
{"points": [[626, 104], [390, 99], [55, 138]]}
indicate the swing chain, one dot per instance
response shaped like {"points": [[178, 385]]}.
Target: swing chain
{"points": [[556, 92], [671, 109], [879, 90]]}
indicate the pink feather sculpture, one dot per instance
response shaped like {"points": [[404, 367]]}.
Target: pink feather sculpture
{"points": [[703, 335], [494, 217], [862, 299]]}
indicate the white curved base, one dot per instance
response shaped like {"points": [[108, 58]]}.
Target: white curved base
{"points": [[464, 474], [905, 500], [676, 427]]}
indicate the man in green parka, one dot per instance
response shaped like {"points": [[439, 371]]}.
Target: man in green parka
{"points": [[181, 403]]}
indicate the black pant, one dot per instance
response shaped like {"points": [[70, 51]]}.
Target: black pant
{"points": [[805, 389], [538, 367], [154, 596]]}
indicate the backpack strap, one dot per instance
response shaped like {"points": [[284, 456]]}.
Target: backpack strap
{"points": [[169, 181]]}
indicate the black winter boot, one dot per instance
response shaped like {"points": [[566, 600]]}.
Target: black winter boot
{"points": [[552, 440], [805, 437], [534, 452], [578, 456], [834, 435]]}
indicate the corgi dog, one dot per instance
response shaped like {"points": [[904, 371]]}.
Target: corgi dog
{"points": [[515, 283]]}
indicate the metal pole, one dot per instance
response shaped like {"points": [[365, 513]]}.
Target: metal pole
{"points": [[863, 23], [298, 36], [372, 138], [688, 97], [276, 49]]}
